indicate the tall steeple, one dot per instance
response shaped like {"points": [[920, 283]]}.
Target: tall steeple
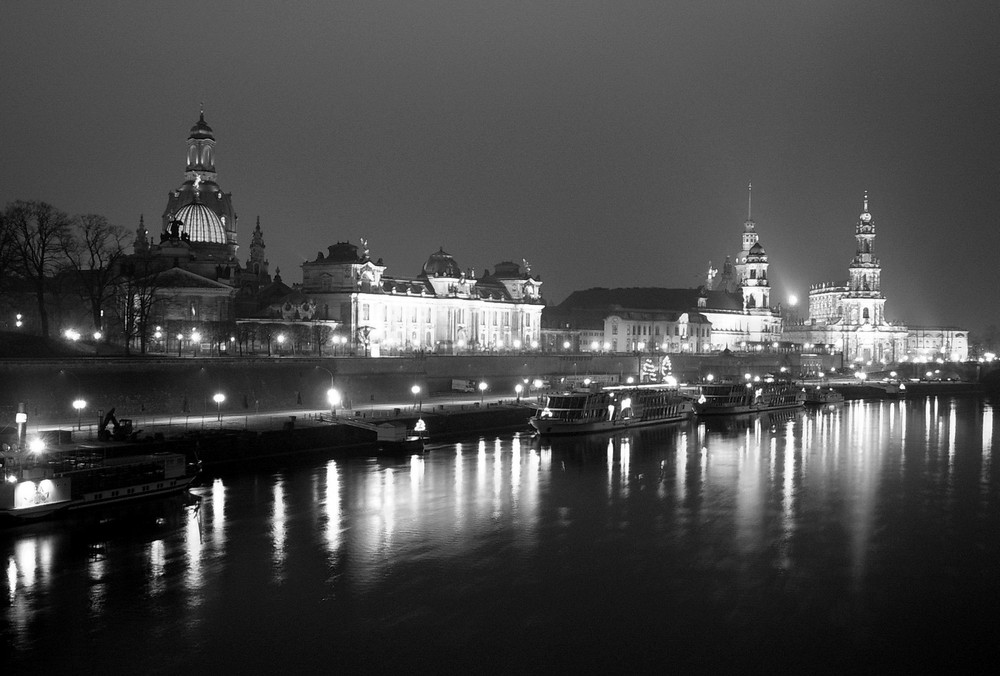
{"points": [[864, 302], [258, 260], [141, 244], [750, 236]]}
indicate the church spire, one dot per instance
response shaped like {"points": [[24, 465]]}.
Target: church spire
{"points": [[141, 242], [749, 200]]}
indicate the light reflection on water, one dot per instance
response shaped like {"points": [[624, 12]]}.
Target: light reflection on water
{"points": [[722, 533]]}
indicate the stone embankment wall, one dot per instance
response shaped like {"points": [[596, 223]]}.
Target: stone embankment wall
{"points": [[174, 386], [171, 386]]}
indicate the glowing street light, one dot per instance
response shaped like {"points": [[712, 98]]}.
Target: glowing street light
{"points": [[482, 391], [79, 405], [416, 394], [180, 339], [519, 388], [333, 396], [218, 398], [21, 419]]}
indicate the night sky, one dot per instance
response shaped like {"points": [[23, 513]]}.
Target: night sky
{"points": [[609, 143]]}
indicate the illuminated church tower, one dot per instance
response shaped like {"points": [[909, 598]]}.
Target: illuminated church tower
{"points": [[864, 303], [750, 238], [198, 211]]}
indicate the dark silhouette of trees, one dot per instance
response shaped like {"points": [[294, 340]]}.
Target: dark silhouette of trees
{"points": [[93, 255], [38, 233], [138, 295]]}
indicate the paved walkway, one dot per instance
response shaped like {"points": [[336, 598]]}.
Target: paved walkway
{"points": [[168, 426]]}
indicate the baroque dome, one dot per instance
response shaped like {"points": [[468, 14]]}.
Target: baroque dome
{"points": [[441, 264], [201, 129], [201, 224]]}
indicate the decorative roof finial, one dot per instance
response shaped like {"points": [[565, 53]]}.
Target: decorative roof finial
{"points": [[749, 199], [866, 201]]}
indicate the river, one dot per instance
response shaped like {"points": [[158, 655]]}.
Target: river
{"points": [[863, 538]]}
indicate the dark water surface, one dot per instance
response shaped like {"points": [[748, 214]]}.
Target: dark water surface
{"points": [[864, 539]]}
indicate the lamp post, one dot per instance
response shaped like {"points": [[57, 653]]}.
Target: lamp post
{"points": [[333, 396], [21, 418], [416, 393], [482, 392], [328, 396], [79, 405], [518, 388], [218, 398]]}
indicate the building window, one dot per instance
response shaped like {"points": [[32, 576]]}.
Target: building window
{"points": [[365, 312]]}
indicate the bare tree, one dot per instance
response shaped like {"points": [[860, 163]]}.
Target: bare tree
{"points": [[93, 252], [139, 293], [38, 231], [6, 251]]}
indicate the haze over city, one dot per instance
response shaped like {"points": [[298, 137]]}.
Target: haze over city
{"points": [[608, 143]]}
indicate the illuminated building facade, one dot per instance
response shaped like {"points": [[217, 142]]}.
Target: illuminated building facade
{"points": [[443, 309], [850, 315], [632, 320], [188, 279], [927, 343], [737, 302]]}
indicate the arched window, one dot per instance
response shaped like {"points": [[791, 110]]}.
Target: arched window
{"points": [[864, 314]]}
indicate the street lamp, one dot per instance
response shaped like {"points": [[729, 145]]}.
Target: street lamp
{"points": [[333, 396], [180, 339], [518, 388], [79, 405], [218, 398], [416, 393], [21, 419], [482, 392]]}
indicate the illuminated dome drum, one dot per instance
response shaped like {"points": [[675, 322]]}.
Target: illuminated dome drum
{"points": [[201, 224]]}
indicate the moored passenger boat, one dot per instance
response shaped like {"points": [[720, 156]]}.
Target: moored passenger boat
{"points": [[611, 408], [39, 484], [823, 396], [736, 398]]}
